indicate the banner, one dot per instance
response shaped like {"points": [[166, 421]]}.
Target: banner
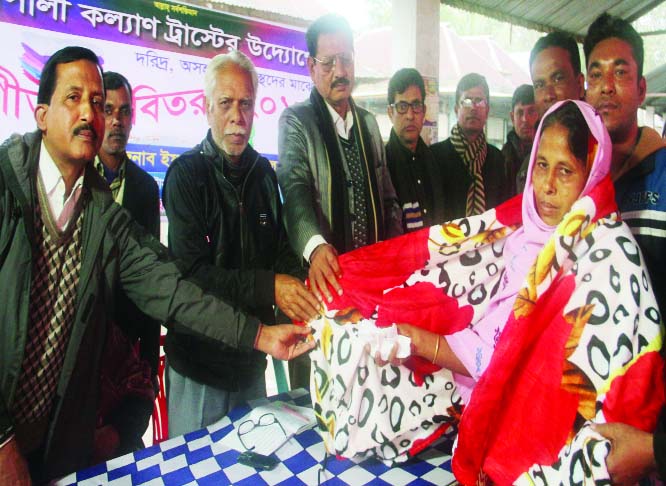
{"points": [[163, 49]]}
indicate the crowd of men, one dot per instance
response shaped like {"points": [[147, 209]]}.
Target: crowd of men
{"points": [[87, 282]]}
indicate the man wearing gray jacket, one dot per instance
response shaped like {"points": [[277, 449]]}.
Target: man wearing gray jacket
{"points": [[337, 191], [65, 248]]}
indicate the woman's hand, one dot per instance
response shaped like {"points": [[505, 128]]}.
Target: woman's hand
{"points": [[417, 337]]}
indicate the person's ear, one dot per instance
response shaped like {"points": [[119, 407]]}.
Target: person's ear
{"points": [[40, 115], [389, 112], [311, 64], [642, 89], [581, 86]]}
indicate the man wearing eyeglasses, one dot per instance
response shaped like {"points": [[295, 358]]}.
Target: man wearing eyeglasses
{"points": [[332, 171], [414, 171], [337, 190], [476, 177]]}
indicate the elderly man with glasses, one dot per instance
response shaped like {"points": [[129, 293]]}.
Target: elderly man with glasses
{"points": [[414, 171], [337, 191], [477, 177]]}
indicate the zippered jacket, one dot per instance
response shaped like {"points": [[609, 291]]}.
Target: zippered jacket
{"points": [[233, 242], [117, 253]]}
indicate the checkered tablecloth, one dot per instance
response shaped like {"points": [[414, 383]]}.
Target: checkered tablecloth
{"points": [[201, 458]]}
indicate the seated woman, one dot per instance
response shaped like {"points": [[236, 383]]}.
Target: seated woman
{"points": [[541, 308]]}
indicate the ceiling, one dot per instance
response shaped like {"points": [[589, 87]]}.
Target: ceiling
{"points": [[572, 16]]}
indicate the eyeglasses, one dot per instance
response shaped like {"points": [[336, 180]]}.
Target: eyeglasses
{"points": [[402, 106], [475, 102], [249, 425], [328, 63]]}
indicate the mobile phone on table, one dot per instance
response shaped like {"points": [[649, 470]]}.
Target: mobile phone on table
{"points": [[258, 461]]}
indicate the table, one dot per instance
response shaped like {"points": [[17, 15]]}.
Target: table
{"points": [[201, 458]]}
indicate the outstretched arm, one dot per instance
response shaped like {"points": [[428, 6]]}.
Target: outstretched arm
{"points": [[284, 341]]}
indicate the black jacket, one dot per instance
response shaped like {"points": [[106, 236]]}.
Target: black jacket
{"points": [[517, 158], [417, 179], [458, 179], [232, 242]]}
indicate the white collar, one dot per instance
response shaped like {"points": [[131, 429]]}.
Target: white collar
{"points": [[342, 127], [54, 185]]}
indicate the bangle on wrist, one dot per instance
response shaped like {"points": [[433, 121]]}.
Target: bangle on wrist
{"points": [[434, 358]]}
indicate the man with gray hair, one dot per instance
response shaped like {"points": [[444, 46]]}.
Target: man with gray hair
{"points": [[225, 224]]}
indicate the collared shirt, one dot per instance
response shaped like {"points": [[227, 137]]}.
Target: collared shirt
{"points": [[61, 207], [115, 179], [343, 129], [342, 126]]}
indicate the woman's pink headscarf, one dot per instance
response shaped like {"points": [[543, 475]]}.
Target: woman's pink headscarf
{"points": [[523, 246]]}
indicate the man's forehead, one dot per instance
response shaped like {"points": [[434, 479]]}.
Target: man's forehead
{"points": [[116, 93], [334, 41], [474, 90], [551, 58], [415, 92], [522, 106], [612, 50]]}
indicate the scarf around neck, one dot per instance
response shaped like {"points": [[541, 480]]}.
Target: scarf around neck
{"points": [[473, 156], [340, 222]]}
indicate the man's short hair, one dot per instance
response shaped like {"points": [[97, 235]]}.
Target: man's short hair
{"points": [[607, 26], [47, 80], [469, 81], [562, 40], [327, 24], [113, 80], [523, 94], [219, 62], [403, 79]]}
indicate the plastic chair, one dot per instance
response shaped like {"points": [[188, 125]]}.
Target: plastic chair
{"points": [[160, 415]]}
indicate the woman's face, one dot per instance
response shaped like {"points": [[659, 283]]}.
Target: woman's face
{"points": [[558, 177]]}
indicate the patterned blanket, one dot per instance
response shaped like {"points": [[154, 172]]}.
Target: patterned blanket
{"points": [[581, 345]]}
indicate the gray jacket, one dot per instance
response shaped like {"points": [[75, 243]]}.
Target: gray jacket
{"points": [[116, 253], [304, 176]]}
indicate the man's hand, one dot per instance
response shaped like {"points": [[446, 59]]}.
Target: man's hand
{"points": [[13, 468], [632, 455], [284, 341], [294, 298], [324, 270]]}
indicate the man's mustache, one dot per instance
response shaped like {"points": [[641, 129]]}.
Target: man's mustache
{"points": [[339, 82], [238, 131], [85, 126], [116, 133]]}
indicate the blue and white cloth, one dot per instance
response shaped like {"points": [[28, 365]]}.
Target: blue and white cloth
{"points": [[203, 458]]}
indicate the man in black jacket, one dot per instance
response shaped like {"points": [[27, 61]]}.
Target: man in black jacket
{"points": [[224, 213], [64, 251], [476, 178], [125, 419], [415, 174], [516, 150]]}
